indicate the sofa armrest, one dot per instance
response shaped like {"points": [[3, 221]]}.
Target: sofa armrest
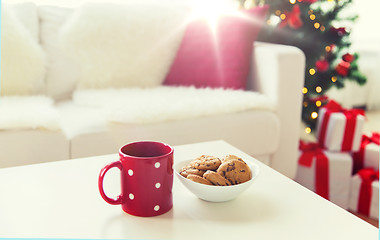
{"points": [[278, 72]]}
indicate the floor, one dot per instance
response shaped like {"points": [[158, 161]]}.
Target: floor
{"points": [[371, 221]]}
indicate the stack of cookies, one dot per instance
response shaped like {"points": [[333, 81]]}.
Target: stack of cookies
{"points": [[210, 170]]}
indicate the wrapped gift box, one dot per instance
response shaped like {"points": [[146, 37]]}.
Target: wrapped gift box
{"points": [[369, 153], [324, 172], [339, 129], [364, 193]]}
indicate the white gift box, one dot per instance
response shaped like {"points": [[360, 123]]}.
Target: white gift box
{"points": [[335, 131], [356, 182], [340, 169], [369, 154]]}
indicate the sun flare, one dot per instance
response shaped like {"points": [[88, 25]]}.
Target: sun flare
{"points": [[211, 11]]}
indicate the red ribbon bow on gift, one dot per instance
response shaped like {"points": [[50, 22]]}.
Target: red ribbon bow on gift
{"points": [[368, 175], [309, 151], [375, 138], [359, 156], [351, 115], [333, 106]]}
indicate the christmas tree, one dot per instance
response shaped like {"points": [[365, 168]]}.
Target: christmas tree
{"points": [[321, 29]]}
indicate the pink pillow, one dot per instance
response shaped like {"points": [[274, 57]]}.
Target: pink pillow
{"points": [[221, 58]]}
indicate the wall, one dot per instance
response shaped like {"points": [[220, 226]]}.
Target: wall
{"points": [[365, 37]]}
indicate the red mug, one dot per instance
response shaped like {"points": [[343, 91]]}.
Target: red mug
{"points": [[146, 178]]}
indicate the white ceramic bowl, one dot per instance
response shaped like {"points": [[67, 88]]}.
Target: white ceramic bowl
{"points": [[215, 193]]}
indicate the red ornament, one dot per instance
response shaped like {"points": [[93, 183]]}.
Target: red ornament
{"points": [[322, 65], [340, 31], [293, 18], [343, 68], [348, 57]]}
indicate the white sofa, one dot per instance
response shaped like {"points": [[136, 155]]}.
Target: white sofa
{"points": [[77, 124]]}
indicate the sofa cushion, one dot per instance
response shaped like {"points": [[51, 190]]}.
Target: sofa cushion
{"points": [[217, 54], [77, 119], [20, 50], [61, 75], [123, 45], [28, 112], [255, 132], [152, 105], [20, 147]]}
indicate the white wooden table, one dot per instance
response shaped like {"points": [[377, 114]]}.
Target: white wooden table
{"points": [[61, 200]]}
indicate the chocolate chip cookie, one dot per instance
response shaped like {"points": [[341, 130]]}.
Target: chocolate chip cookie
{"points": [[189, 169], [206, 162], [231, 157], [216, 179], [235, 171], [198, 179]]}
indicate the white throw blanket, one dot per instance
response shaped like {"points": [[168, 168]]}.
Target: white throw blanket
{"points": [[90, 110], [150, 105], [28, 113]]}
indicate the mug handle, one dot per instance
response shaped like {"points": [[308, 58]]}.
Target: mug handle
{"points": [[119, 199]]}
